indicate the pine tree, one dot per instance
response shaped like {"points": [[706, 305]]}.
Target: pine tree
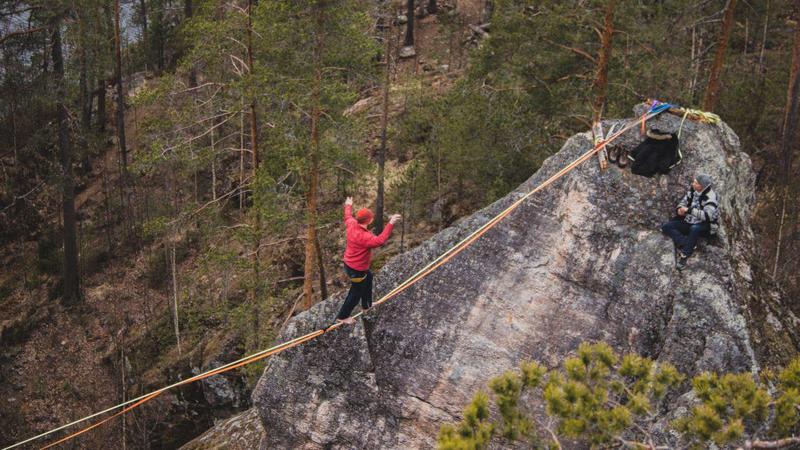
{"points": [[602, 399], [72, 287], [316, 48], [712, 90]]}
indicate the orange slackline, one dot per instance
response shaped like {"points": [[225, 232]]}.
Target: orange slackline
{"points": [[442, 259]]}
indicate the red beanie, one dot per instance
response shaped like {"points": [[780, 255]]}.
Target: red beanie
{"points": [[364, 215]]}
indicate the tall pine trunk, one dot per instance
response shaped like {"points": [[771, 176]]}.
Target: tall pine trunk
{"points": [[101, 106], [123, 151], [313, 173], [789, 138], [253, 117], [384, 124], [143, 12], [600, 85], [409, 40], [83, 83], [712, 89], [188, 11], [175, 321], [601, 75], [760, 99], [323, 282], [72, 292]]}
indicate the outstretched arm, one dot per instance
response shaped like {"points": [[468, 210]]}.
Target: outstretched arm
{"points": [[348, 210], [373, 241]]}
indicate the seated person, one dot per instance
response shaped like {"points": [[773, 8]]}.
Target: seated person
{"points": [[698, 215]]}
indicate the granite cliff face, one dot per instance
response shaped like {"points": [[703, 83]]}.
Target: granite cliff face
{"points": [[582, 261]]}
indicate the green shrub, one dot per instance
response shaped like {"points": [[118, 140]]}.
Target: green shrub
{"points": [[603, 400]]}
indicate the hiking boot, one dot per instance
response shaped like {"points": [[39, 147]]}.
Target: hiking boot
{"points": [[680, 264], [613, 154], [622, 158], [348, 321]]}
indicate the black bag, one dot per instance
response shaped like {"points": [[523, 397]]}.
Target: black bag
{"points": [[658, 153]]}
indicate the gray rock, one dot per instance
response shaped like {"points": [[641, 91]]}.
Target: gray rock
{"points": [[240, 432], [225, 391], [582, 261], [407, 51]]}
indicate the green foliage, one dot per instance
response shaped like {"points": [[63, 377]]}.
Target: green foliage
{"points": [[594, 397], [507, 389], [597, 398], [474, 142], [472, 433], [727, 403]]}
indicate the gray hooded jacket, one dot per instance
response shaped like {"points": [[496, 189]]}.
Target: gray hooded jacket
{"points": [[703, 207]]}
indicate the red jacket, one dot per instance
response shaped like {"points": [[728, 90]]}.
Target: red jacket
{"points": [[357, 254]]}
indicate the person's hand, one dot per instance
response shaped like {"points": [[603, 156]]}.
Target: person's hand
{"points": [[682, 211], [394, 218], [348, 201]]}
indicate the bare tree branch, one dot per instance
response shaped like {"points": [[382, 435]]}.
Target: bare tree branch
{"points": [[22, 33], [22, 197]]}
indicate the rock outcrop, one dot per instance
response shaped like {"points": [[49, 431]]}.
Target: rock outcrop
{"points": [[582, 261]]}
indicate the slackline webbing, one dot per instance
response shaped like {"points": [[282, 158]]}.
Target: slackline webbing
{"points": [[656, 109]]}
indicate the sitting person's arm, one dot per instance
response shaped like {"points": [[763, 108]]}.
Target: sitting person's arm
{"points": [[683, 205]]}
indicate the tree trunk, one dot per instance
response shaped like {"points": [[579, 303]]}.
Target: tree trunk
{"points": [[175, 299], [323, 283], [311, 198], [72, 289], [433, 8], [313, 175], [712, 90], [409, 41], [213, 160], [241, 156], [253, 117], [85, 95], [789, 138], [600, 85], [143, 12], [45, 60], [488, 10], [384, 124], [101, 106], [601, 76], [14, 127], [760, 98], [124, 399], [188, 11], [123, 151], [256, 323]]}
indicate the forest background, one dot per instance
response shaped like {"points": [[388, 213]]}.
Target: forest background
{"points": [[172, 171]]}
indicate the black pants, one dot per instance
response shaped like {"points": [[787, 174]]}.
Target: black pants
{"points": [[358, 291], [685, 235]]}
